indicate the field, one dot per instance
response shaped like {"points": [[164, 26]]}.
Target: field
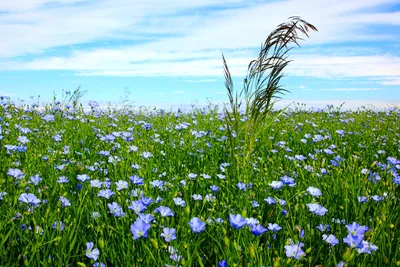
{"points": [[159, 188]]}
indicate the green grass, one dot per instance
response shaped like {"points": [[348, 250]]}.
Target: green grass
{"points": [[26, 233]]}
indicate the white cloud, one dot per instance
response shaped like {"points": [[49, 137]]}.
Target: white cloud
{"points": [[351, 89], [192, 42]]}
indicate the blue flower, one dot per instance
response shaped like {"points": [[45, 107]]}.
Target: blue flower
{"points": [[331, 239], [90, 252], [164, 211], [276, 184], [148, 218], [222, 263], [29, 199], [294, 250], [197, 225], [317, 209], [237, 221], [116, 210], [274, 227], [137, 206], [139, 229], [258, 229], [270, 200], [169, 234], [241, 186], [315, 192], [64, 201]]}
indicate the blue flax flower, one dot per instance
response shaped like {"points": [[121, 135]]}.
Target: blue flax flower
{"points": [[237, 221], [222, 263], [331, 239], [258, 229], [116, 210], [169, 234], [90, 252], [139, 229], [197, 225], [317, 209], [294, 250], [164, 211]]}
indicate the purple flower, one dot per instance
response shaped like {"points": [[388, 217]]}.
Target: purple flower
{"points": [[148, 218], [222, 263], [36, 179], [331, 239], [241, 186], [139, 229], [270, 200], [214, 188], [366, 247], [197, 225], [135, 179], [317, 209], [106, 193], [169, 234], [29, 199], [82, 177], [164, 211], [90, 252], [276, 184], [64, 201], [258, 229], [137, 206], [315, 192], [274, 227], [179, 202], [237, 221], [62, 225], [294, 250], [116, 210]]}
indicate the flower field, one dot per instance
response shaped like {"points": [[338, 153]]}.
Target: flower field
{"points": [[158, 188]]}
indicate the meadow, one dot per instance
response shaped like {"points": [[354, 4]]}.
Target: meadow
{"points": [[118, 187]]}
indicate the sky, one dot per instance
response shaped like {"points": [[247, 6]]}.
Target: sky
{"points": [[168, 53]]}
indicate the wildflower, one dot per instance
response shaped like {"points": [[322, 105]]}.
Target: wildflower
{"points": [[197, 225], [324, 227], [331, 239], [96, 183], [147, 218], [62, 180], [164, 211], [294, 250], [214, 188], [82, 177], [270, 200], [36, 179], [276, 184], [64, 201], [237, 221], [107, 193], [92, 253], [146, 200], [197, 197], [179, 202], [29, 199], [2, 194], [62, 225], [139, 229], [137, 206], [135, 179], [317, 209], [274, 227], [258, 229], [121, 184], [366, 247], [315, 192], [222, 263], [116, 210], [169, 234], [241, 186], [16, 173]]}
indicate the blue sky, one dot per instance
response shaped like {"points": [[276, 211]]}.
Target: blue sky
{"points": [[168, 53]]}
